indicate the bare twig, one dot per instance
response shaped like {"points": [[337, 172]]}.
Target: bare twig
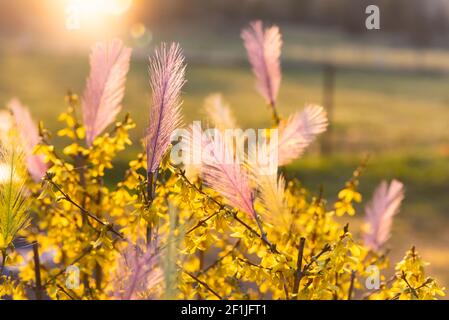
{"points": [[85, 252], [221, 258], [325, 249], [367, 296], [413, 290], [151, 186], [202, 222], [221, 206], [67, 293], [204, 284], [287, 295], [4, 256], [37, 271], [351, 285], [299, 273], [253, 264], [274, 113], [67, 198]]}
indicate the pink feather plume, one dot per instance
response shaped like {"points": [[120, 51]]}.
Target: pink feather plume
{"points": [[264, 51], [167, 77], [138, 274], [225, 175], [299, 131], [29, 136], [105, 88], [380, 212]]}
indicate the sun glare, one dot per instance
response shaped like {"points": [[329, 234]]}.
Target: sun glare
{"points": [[5, 173], [100, 7], [92, 14]]}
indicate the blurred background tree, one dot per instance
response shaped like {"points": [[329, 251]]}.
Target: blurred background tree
{"points": [[422, 22]]}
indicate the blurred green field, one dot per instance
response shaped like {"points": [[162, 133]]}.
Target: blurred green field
{"points": [[400, 118]]}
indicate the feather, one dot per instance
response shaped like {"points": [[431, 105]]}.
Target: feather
{"points": [[270, 189], [167, 71], [380, 212], [299, 131], [219, 112], [105, 88], [137, 275], [225, 175], [14, 201], [29, 137], [264, 50]]}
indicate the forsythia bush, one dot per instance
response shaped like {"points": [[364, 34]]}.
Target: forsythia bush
{"points": [[168, 231]]}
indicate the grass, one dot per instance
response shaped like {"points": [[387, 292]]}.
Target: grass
{"points": [[401, 118]]}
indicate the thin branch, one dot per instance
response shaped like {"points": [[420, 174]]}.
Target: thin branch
{"points": [[326, 248], [205, 285], [83, 210], [429, 280], [202, 222], [263, 234], [85, 252], [37, 271], [264, 239], [66, 293], [403, 277], [221, 258], [367, 296], [299, 273], [275, 114], [4, 257], [151, 186], [287, 295], [272, 247], [351, 286]]}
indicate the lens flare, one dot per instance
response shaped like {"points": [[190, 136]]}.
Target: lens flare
{"points": [[101, 7], [92, 14]]}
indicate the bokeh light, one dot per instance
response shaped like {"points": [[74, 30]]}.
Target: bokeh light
{"points": [[95, 8]]}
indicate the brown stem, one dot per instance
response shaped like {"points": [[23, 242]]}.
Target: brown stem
{"points": [[351, 286], [205, 285], [263, 234], [37, 271], [274, 112], [82, 209], [151, 186], [67, 293], [403, 276], [4, 256], [181, 173], [299, 273], [85, 252], [253, 264], [287, 295], [98, 275], [201, 255], [264, 239], [221, 258], [79, 161], [202, 222], [326, 248], [98, 268]]}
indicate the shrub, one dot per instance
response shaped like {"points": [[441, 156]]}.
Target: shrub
{"points": [[211, 231]]}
